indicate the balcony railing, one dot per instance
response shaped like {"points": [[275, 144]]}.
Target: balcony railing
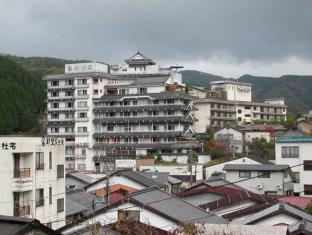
{"points": [[22, 173], [22, 211]]}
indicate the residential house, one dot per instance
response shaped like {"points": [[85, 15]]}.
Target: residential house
{"points": [[266, 179], [10, 225], [232, 139], [280, 214], [218, 167], [204, 193], [294, 148], [300, 228], [32, 175], [150, 206]]}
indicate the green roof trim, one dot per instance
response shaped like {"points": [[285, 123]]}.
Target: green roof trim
{"points": [[288, 139]]}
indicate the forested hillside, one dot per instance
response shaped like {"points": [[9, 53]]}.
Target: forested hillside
{"points": [[21, 98]]}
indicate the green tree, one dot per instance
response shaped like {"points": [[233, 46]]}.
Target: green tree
{"points": [[308, 209], [192, 157]]}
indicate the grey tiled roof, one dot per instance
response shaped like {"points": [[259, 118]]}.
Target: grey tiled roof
{"points": [[277, 208], [151, 80], [174, 207], [147, 178], [84, 199], [81, 177], [301, 227], [254, 167], [73, 208]]}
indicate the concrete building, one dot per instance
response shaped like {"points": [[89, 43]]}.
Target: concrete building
{"points": [[234, 105], [295, 149], [32, 179], [268, 179], [118, 112]]}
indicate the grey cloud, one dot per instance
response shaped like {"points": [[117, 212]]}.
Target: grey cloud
{"points": [[255, 30]]}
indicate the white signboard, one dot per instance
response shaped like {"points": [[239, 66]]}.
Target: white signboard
{"points": [[86, 67]]}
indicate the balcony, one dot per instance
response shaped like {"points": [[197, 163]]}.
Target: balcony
{"points": [[81, 133], [82, 96], [22, 211], [82, 85], [22, 181], [61, 97], [80, 156], [82, 119]]}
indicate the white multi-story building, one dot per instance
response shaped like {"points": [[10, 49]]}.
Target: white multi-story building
{"points": [[107, 112], [32, 179], [295, 149], [235, 105]]}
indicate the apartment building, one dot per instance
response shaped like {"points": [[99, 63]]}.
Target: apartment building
{"points": [[118, 111], [295, 149], [32, 179], [234, 105]]}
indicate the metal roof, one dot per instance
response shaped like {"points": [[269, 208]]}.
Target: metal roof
{"points": [[147, 178], [301, 227], [173, 207], [80, 177], [254, 167], [277, 208], [73, 208]]}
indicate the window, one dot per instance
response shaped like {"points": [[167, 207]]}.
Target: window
{"points": [[60, 205], [307, 189], [247, 115], [39, 160], [290, 151], [270, 193], [244, 174], [247, 107], [82, 115], [170, 112], [81, 167], [155, 101], [239, 111], [170, 101], [263, 174], [54, 130], [69, 82], [82, 104], [110, 128], [50, 195], [129, 215], [54, 93], [69, 105], [82, 129], [82, 81], [95, 81], [171, 127], [307, 165], [82, 92], [239, 119], [135, 102], [297, 176], [69, 93], [55, 116], [39, 197], [60, 171], [95, 92], [142, 90], [54, 83], [69, 115], [55, 105], [50, 160], [155, 127]]}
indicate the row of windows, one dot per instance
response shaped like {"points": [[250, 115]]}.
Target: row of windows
{"points": [[40, 164], [261, 174], [81, 129], [290, 151]]}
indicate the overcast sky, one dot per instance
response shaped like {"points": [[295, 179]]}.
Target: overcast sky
{"points": [[229, 38]]}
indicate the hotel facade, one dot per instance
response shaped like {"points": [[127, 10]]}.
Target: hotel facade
{"points": [[119, 112]]}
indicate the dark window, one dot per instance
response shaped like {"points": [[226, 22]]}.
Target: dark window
{"points": [[39, 197], [247, 115], [50, 160], [39, 161], [60, 205], [244, 174], [60, 171], [134, 102], [263, 174], [155, 101], [307, 165], [129, 215], [239, 119], [270, 193], [290, 151], [50, 195], [239, 111], [297, 176], [308, 189]]}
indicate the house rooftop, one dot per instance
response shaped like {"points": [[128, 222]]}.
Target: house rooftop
{"points": [[301, 227], [17, 225], [279, 208], [255, 167], [80, 177]]}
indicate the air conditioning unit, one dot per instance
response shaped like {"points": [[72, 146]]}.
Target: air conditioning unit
{"points": [[279, 187], [259, 186]]}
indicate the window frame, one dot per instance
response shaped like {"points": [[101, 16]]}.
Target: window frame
{"points": [[240, 174], [39, 160]]}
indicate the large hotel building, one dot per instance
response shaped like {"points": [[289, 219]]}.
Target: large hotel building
{"points": [[137, 108], [125, 111]]}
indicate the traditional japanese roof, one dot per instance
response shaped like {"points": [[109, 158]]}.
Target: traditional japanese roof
{"points": [[238, 197], [84, 199], [301, 227], [279, 208], [205, 188], [83, 178], [300, 202], [252, 157], [17, 225], [255, 167], [73, 208], [260, 128], [139, 59], [173, 207]]}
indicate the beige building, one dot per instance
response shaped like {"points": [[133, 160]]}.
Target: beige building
{"points": [[32, 179]]}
